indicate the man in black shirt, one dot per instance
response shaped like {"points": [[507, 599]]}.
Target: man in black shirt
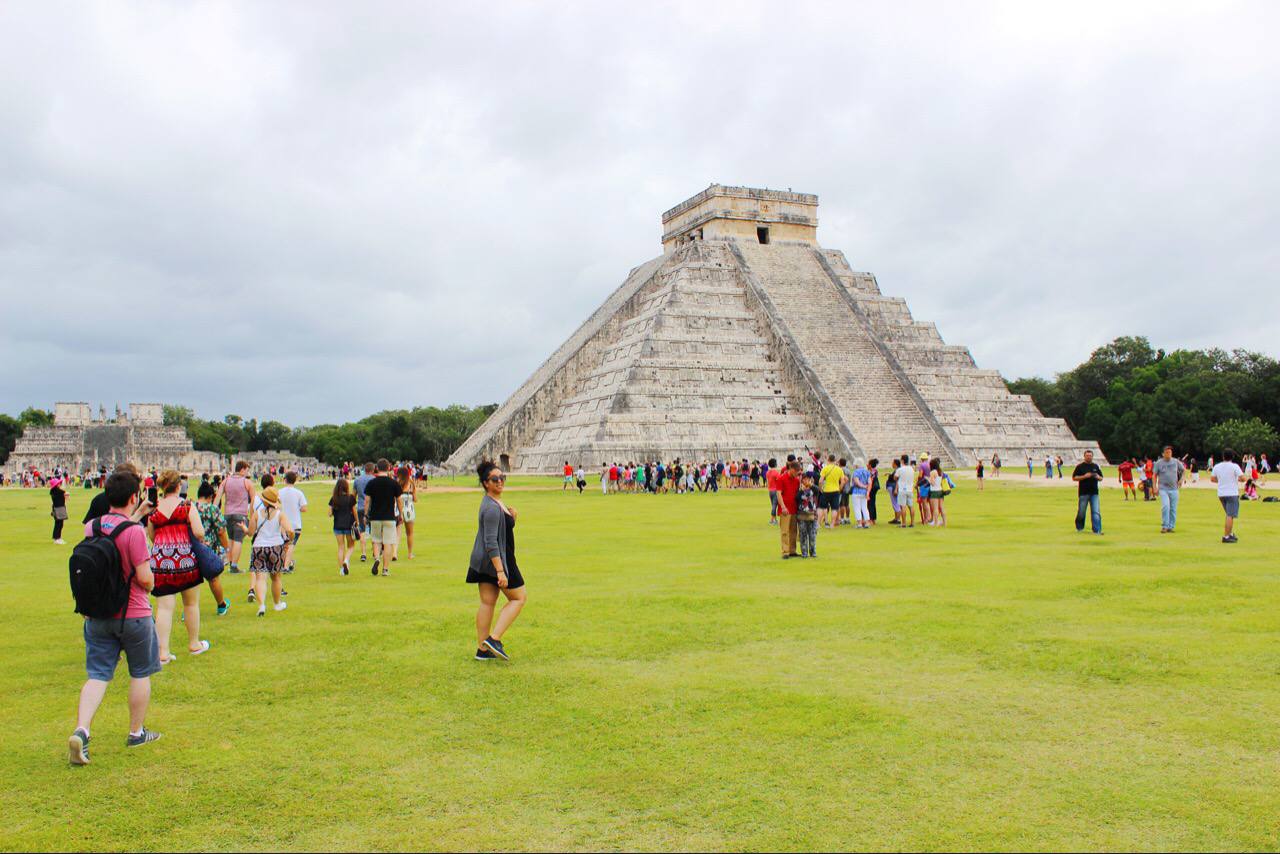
{"points": [[1088, 475], [380, 497]]}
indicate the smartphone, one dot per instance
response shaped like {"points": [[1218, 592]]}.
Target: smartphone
{"points": [[151, 496]]}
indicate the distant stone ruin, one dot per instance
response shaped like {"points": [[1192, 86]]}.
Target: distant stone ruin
{"points": [[745, 338], [79, 442]]}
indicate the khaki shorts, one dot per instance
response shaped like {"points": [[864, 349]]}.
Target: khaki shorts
{"points": [[383, 531]]}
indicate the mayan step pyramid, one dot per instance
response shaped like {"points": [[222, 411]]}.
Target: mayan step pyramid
{"points": [[747, 339]]}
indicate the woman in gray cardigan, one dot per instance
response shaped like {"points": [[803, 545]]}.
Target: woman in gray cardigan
{"points": [[493, 565]]}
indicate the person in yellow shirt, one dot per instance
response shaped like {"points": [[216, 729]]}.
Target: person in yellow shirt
{"points": [[831, 479]]}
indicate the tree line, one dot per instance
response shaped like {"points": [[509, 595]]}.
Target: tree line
{"points": [[1133, 399], [425, 433]]}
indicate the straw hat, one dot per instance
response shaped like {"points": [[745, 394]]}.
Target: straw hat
{"points": [[271, 496]]}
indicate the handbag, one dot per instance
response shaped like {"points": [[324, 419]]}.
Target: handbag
{"points": [[209, 561], [60, 513]]}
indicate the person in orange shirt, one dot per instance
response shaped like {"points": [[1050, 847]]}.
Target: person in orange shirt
{"points": [[771, 481], [568, 476]]}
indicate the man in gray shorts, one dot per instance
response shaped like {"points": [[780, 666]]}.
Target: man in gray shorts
{"points": [[131, 631], [1228, 476]]}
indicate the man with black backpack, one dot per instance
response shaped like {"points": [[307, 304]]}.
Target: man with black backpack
{"points": [[110, 579]]}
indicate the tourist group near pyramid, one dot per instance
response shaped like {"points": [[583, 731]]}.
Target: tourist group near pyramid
{"points": [[746, 339]]}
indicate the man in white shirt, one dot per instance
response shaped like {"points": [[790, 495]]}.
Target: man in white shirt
{"points": [[293, 504], [1228, 476], [906, 477]]}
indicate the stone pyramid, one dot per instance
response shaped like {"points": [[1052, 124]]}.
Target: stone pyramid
{"points": [[747, 339]]}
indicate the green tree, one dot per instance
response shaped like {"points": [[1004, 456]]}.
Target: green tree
{"points": [[32, 417], [10, 430], [1244, 436], [178, 416]]}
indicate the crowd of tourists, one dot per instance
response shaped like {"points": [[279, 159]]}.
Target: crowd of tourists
{"points": [[145, 540]]}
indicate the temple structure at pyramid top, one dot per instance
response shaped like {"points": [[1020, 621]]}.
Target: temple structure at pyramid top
{"points": [[746, 339]]}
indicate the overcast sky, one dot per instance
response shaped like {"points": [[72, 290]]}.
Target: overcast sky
{"points": [[313, 211]]}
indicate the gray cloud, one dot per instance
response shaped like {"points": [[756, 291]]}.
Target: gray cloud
{"points": [[312, 211]]}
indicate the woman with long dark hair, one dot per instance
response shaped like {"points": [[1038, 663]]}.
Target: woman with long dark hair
{"points": [[493, 565], [342, 507]]}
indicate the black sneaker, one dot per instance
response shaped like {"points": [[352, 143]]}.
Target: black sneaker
{"points": [[495, 646], [375, 565], [363, 559], [234, 570], [1229, 539], [346, 570], [144, 737], [252, 596], [484, 655], [78, 747]]}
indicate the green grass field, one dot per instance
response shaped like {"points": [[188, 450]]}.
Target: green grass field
{"points": [[1004, 683]]}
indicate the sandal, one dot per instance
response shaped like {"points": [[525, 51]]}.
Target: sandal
{"points": [[204, 647]]}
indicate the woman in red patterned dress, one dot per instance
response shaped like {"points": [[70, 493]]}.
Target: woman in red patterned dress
{"points": [[170, 529]]}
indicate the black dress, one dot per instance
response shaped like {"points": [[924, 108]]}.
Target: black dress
{"points": [[514, 579]]}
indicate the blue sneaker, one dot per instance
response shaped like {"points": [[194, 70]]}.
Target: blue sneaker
{"points": [[78, 746], [495, 646], [144, 737], [484, 655], [224, 607]]}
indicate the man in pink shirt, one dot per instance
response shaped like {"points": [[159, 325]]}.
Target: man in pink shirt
{"points": [[132, 632]]}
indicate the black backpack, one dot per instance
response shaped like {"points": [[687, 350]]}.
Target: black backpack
{"points": [[99, 588]]}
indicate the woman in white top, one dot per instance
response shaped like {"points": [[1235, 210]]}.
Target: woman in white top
{"points": [[270, 530]]}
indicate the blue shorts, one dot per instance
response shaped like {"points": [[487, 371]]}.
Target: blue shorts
{"points": [[342, 532], [104, 640], [1231, 505]]}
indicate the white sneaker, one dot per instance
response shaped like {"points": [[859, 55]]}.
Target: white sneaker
{"points": [[262, 610], [59, 542], [280, 606]]}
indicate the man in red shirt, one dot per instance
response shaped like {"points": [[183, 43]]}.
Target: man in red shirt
{"points": [[1126, 468], [613, 478], [568, 475], [788, 484]]}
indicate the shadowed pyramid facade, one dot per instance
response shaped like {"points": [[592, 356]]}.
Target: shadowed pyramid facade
{"points": [[747, 339]]}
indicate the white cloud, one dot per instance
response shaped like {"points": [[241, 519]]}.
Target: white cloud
{"points": [[312, 211]]}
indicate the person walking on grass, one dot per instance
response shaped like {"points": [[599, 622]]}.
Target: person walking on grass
{"points": [[293, 503], [408, 505], [1168, 479], [1228, 476], [130, 630], [1088, 475], [270, 532], [380, 497], [237, 499], [342, 507], [362, 516], [58, 505], [493, 567], [171, 527], [1124, 472], [215, 537], [981, 480]]}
